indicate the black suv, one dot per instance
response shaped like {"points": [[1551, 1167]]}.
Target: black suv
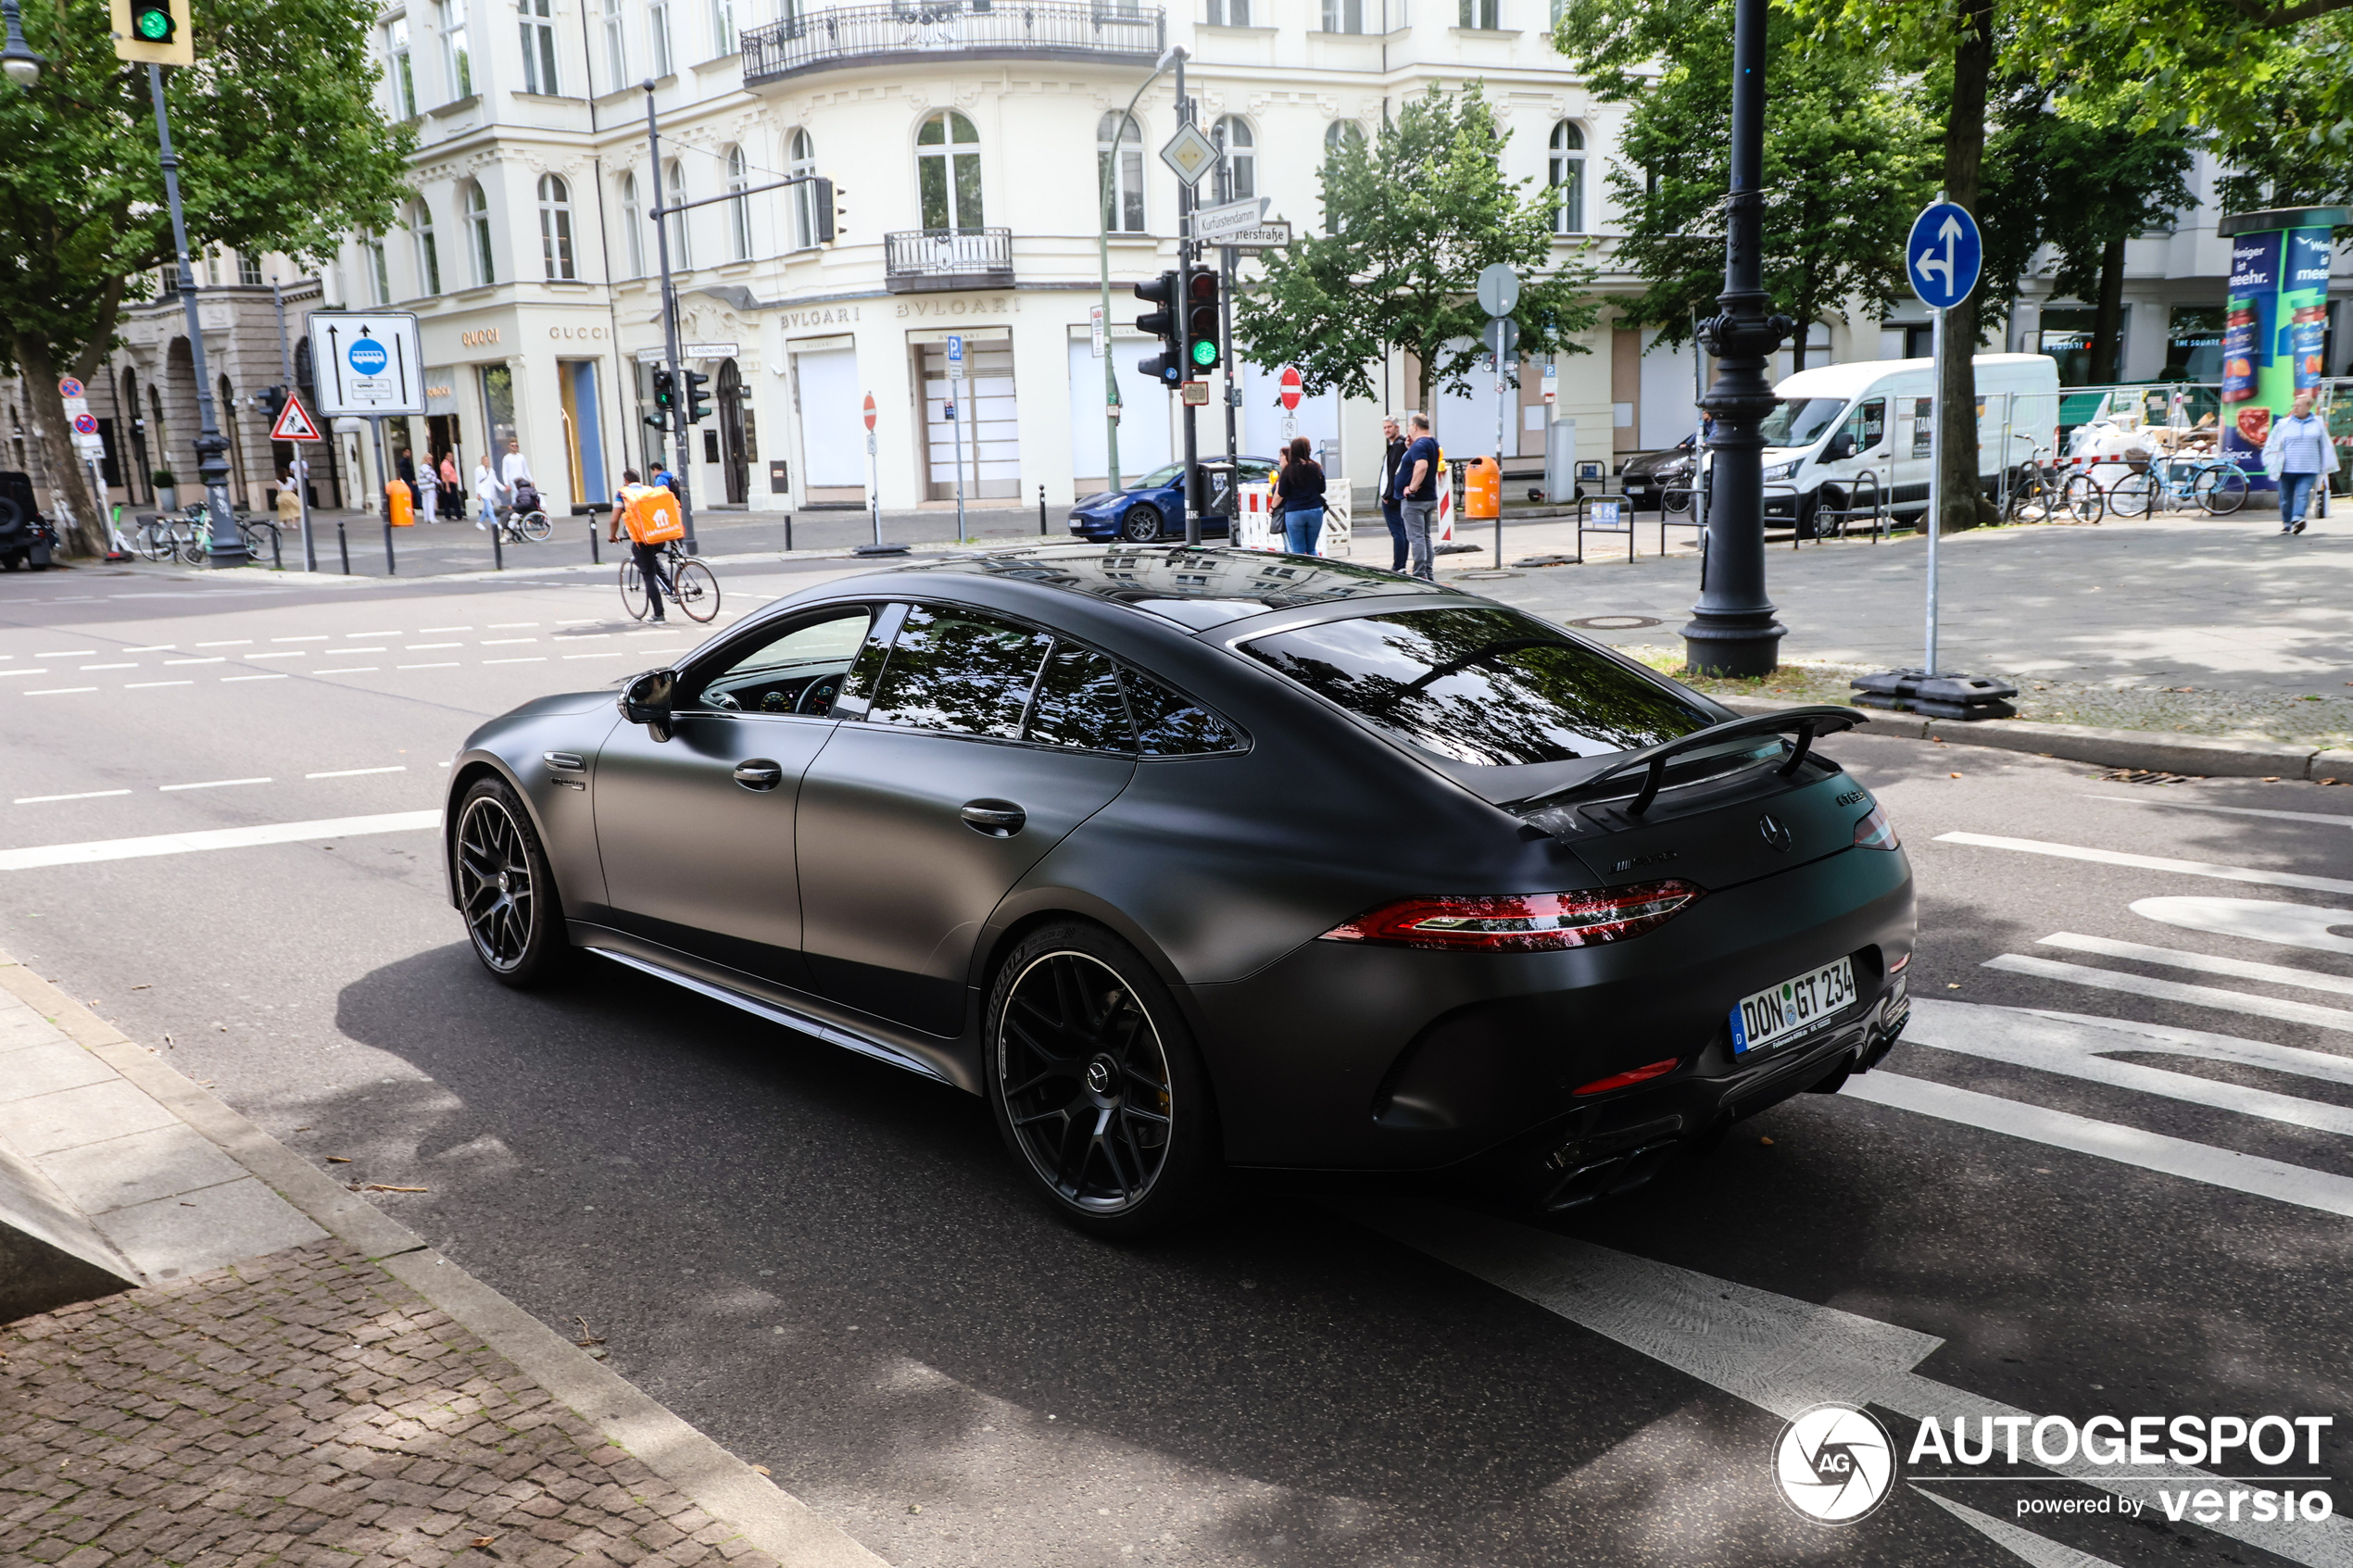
{"points": [[26, 538]]}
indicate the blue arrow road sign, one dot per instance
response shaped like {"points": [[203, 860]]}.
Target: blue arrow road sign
{"points": [[1945, 256]]}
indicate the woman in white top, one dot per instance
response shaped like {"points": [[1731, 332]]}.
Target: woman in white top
{"points": [[487, 491], [2299, 455]]}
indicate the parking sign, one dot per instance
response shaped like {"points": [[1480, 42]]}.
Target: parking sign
{"points": [[955, 359]]}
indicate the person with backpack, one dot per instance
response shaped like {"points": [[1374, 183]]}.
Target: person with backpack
{"points": [[651, 514], [1299, 496]]}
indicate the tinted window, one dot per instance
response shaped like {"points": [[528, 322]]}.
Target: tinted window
{"points": [[770, 674], [1080, 703], [1169, 723], [958, 670], [1488, 686]]}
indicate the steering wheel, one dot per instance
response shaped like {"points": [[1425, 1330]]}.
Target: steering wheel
{"points": [[722, 699], [817, 696]]}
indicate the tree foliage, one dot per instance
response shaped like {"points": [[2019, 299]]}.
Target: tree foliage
{"points": [[1848, 159], [1411, 219], [282, 147]]}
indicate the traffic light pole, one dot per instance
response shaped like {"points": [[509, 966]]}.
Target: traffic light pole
{"points": [[228, 546], [1183, 306], [682, 463]]}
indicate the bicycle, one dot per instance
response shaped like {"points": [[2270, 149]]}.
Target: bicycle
{"points": [[693, 586], [2040, 495], [2218, 486]]}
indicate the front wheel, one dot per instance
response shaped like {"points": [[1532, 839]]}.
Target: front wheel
{"points": [[537, 528], [696, 587], [632, 590], [2220, 489], [1141, 525], [505, 888], [2081, 498], [2132, 496], [1096, 1086]]}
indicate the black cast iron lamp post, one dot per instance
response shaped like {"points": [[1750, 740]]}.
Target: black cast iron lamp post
{"points": [[1732, 631], [21, 64]]}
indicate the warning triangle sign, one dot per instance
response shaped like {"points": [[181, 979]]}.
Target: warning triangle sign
{"points": [[294, 422]]}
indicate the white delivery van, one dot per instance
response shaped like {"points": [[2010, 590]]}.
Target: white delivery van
{"points": [[1840, 429]]}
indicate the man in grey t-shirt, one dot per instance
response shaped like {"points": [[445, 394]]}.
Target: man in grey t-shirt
{"points": [[2301, 441]]}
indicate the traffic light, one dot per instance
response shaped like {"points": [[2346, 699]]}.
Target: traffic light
{"points": [[698, 401], [152, 22], [152, 31], [269, 400], [828, 221], [1168, 366], [665, 399], [1201, 320]]}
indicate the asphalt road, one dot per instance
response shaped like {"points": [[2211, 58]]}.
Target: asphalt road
{"points": [[832, 1267]]}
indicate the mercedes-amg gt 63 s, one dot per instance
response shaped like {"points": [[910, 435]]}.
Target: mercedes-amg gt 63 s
{"points": [[1194, 858]]}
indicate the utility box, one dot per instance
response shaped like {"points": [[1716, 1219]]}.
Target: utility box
{"points": [[1560, 462], [1483, 490]]}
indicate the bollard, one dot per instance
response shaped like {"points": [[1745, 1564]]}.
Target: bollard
{"points": [[390, 570], [1041, 511], [277, 551], [788, 534], [594, 558], [343, 545], [497, 551]]}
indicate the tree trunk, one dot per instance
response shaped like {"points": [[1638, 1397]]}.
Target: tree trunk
{"points": [[1960, 502], [68, 480], [2108, 320]]}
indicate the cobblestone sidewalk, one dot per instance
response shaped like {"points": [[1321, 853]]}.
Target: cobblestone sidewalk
{"points": [[308, 1409]]}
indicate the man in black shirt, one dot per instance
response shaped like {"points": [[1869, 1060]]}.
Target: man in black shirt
{"points": [[1392, 500], [1420, 467]]}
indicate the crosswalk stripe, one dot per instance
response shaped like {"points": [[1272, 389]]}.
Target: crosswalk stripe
{"points": [[2332, 819], [213, 838], [2073, 1048], [2108, 1140], [2149, 862], [2205, 963], [2286, 1011], [2172, 1039]]}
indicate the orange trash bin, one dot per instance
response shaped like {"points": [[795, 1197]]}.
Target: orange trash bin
{"points": [[1482, 489], [398, 508]]}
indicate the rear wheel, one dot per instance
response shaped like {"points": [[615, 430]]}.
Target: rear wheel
{"points": [[536, 528], [2219, 488], [1141, 525], [1096, 1085], [696, 587], [2130, 495], [2081, 498], [505, 888]]}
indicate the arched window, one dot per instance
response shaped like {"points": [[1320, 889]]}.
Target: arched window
{"points": [[477, 205], [631, 218], [1342, 138], [948, 172], [800, 159], [555, 228], [1122, 196], [1565, 175], [1237, 159], [674, 179], [739, 210], [428, 249]]}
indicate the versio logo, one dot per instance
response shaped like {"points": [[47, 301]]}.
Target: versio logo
{"points": [[1834, 1463]]}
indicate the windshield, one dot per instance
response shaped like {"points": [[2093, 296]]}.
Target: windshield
{"points": [[1492, 687], [1795, 422], [1164, 474]]}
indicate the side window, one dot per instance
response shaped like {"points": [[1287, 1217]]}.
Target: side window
{"points": [[796, 669], [958, 670], [1868, 426], [1171, 724], [1079, 703], [1924, 425]]}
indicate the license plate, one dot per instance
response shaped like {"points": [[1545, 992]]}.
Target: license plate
{"points": [[1780, 1012]]}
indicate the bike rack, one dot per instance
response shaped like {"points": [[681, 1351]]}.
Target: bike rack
{"points": [[1624, 510], [1876, 511], [1691, 494]]}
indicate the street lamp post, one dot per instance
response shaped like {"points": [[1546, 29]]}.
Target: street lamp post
{"points": [[22, 66], [1732, 631]]}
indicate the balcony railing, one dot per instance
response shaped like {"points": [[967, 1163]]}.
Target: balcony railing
{"points": [[929, 260], [965, 29]]}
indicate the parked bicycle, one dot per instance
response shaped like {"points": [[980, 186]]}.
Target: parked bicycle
{"points": [[2176, 482], [690, 583], [2042, 494]]}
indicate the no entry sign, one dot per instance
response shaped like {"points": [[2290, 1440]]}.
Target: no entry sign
{"points": [[1291, 387]]}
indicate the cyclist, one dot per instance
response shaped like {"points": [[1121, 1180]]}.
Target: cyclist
{"points": [[650, 523]]}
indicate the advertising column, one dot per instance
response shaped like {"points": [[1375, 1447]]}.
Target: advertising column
{"points": [[2275, 317]]}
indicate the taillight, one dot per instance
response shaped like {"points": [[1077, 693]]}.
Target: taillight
{"points": [[1873, 831], [1521, 923], [1637, 1075]]}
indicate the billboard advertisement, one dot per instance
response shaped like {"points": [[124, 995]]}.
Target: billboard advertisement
{"points": [[2273, 322]]}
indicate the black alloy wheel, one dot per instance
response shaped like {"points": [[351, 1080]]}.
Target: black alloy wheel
{"points": [[1142, 524], [504, 888], [1095, 1085]]}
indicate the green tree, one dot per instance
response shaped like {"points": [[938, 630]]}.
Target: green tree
{"points": [[281, 146], [1848, 157], [1411, 219]]}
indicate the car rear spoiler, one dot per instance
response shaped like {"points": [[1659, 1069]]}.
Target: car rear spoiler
{"points": [[1817, 719]]}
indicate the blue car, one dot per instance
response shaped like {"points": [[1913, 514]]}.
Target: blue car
{"points": [[1153, 507]]}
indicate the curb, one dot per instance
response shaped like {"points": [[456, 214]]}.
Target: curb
{"points": [[2155, 751], [768, 1518]]}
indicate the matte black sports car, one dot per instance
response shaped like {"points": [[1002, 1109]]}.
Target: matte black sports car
{"points": [[1188, 858]]}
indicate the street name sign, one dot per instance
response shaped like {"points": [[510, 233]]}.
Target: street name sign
{"points": [[1944, 255], [1189, 153], [367, 362], [1265, 236], [1211, 224]]}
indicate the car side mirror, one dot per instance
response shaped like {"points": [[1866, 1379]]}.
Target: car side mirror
{"points": [[1841, 445], [646, 700]]}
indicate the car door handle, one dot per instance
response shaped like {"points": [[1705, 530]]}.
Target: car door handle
{"points": [[759, 773], [998, 819]]}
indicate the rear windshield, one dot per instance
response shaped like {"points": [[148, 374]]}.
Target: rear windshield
{"points": [[1488, 686]]}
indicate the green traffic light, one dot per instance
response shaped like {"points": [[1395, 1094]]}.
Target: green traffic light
{"points": [[1204, 353], [153, 23]]}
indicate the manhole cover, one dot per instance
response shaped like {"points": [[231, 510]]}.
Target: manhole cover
{"points": [[1616, 623]]}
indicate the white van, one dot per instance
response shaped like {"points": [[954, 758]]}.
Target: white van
{"points": [[1840, 429]]}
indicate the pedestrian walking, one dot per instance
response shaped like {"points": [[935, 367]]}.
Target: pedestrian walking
{"points": [[1299, 496], [289, 502], [1420, 466], [1392, 501], [453, 506], [428, 485], [2298, 454], [514, 468], [486, 492]]}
